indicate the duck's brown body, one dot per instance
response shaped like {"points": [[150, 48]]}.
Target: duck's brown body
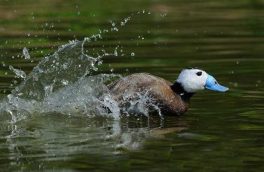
{"points": [[160, 90]]}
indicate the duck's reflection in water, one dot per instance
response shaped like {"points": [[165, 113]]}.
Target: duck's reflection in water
{"points": [[58, 136], [131, 131]]}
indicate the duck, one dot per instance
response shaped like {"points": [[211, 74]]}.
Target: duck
{"points": [[170, 98]]}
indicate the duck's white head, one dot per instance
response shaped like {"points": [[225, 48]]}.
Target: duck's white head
{"points": [[193, 80]]}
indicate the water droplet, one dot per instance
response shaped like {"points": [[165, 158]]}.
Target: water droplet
{"points": [[115, 53], [65, 66], [19, 73], [65, 82], [26, 53], [3, 64], [163, 15], [132, 54], [115, 29]]}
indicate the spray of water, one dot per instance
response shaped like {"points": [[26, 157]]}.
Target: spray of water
{"points": [[65, 83]]}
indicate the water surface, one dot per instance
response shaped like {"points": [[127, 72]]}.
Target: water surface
{"points": [[220, 132]]}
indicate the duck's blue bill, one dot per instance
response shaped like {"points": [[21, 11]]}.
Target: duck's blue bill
{"points": [[212, 84]]}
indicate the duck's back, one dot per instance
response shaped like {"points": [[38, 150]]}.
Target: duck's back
{"points": [[158, 89]]}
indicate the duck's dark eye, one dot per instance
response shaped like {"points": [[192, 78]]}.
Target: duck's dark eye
{"points": [[199, 73]]}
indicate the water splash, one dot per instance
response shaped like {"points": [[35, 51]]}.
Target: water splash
{"points": [[124, 22], [26, 53], [19, 73], [67, 82], [62, 80], [66, 65]]}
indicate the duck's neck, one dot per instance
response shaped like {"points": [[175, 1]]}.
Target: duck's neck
{"points": [[178, 89]]}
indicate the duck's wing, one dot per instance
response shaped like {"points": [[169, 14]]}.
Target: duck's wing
{"points": [[158, 89], [134, 83]]}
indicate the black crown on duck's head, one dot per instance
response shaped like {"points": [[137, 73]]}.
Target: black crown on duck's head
{"points": [[192, 68]]}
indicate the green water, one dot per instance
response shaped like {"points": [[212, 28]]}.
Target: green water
{"points": [[220, 132]]}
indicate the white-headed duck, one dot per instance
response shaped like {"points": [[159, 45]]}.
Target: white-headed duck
{"points": [[172, 99]]}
